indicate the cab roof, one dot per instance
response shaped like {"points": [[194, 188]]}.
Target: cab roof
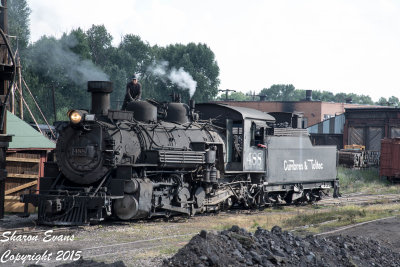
{"points": [[221, 112]]}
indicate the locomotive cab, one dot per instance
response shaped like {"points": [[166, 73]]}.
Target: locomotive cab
{"points": [[245, 135]]}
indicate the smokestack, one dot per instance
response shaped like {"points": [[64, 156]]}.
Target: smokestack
{"points": [[100, 96], [308, 95], [349, 100]]}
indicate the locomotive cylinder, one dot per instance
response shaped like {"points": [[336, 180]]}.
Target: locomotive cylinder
{"points": [[100, 96]]}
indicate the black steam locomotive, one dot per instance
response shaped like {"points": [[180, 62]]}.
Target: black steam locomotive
{"points": [[161, 159]]}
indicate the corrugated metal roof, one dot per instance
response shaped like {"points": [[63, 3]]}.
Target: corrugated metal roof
{"points": [[25, 136], [334, 125], [240, 112]]}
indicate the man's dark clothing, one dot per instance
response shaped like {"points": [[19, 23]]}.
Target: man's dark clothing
{"points": [[133, 93]]}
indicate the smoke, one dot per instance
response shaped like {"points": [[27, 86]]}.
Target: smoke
{"points": [[179, 77], [58, 60]]}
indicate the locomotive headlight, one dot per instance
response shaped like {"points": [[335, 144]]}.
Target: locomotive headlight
{"points": [[75, 116]]}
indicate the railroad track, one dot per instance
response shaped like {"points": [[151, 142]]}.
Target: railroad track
{"points": [[126, 248], [113, 249], [359, 199], [349, 199]]}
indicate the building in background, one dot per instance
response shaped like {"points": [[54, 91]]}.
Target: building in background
{"points": [[365, 126], [328, 132], [368, 126], [313, 111]]}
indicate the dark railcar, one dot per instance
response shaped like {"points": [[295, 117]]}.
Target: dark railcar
{"points": [[390, 159]]}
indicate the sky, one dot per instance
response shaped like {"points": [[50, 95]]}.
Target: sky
{"points": [[350, 46]]}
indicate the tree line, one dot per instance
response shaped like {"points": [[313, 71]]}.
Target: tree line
{"points": [[287, 92]]}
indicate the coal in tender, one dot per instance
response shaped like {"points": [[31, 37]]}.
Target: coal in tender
{"points": [[237, 247]]}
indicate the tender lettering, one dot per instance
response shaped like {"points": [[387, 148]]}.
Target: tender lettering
{"points": [[313, 164], [290, 165]]}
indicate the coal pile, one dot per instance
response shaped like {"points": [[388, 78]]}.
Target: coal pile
{"points": [[237, 247]]}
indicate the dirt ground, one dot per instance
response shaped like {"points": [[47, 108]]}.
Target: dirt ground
{"points": [[385, 231], [145, 243]]}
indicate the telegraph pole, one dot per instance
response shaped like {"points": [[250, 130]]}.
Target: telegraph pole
{"points": [[54, 102], [226, 93]]}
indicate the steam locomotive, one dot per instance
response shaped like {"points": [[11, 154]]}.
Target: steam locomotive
{"points": [[162, 159]]}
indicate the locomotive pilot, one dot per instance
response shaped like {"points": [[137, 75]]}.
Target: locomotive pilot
{"points": [[133, 91]]}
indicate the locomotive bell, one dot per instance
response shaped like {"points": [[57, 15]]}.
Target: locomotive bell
{"points": [[100, 96]]}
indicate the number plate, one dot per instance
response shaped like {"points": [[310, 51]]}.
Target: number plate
{"points": [[79, 151]]}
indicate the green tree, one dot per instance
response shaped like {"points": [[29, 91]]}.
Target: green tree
{"points": [[393, 101], [235, 96], [323, 96], [196, 59], [100, 44], [279, 92], [118, 78], [132, 56], [362, 99], [340, 97], [18, 24], [78, 42], [382, 101]]}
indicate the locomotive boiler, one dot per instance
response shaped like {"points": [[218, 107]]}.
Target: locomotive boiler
{"points": [[160, 159]]}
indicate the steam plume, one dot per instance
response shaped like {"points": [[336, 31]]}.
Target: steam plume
{"points": [[179, 77], [56, 56]]}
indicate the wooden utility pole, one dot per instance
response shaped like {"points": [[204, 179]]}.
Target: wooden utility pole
{"points": [[12, 104], [21, 96], [54, 102]]}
